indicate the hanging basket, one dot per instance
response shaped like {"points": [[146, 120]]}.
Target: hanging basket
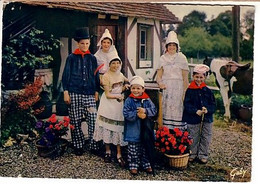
{"points": [[178, 161]]}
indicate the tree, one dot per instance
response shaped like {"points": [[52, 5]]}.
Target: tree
{"points": [[194, 19], [247, 36], [221, 46], [195, 42], [222, 24]]}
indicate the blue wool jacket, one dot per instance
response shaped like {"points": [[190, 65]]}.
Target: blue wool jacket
{"points": [[132, 126], [194, 100], [80, 75]]}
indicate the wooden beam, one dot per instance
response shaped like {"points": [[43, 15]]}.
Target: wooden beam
{"points": [[131, 26], [235, 32]]}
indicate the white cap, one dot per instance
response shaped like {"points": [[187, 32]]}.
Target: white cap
{"points": [[112, 55], [201, 68], [172, 38], [106, 34], [137, 80]]}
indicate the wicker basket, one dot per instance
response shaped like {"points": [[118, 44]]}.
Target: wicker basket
{"points": [[178, 161]]}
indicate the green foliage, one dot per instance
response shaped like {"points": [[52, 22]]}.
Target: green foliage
{"points": [[221, 25], [199, 38], [17, 114], [194, 19], [195, 42], [246, 47], [238, 100], [23, 54], [221, 46], [30, 49]]}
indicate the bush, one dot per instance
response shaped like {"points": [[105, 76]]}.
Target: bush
{"points": [[17, 115]]}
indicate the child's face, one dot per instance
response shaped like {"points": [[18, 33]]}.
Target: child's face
{"points": [[105, 44], [199, 78], [137, 90], [114, 65], [84, 45], [172, 48]]}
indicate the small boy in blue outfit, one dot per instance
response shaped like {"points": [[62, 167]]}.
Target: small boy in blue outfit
{"points": [[81, 84], [138, 109], [199, 106]]}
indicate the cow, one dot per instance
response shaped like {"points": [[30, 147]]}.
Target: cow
{"points": [[231, 77]]}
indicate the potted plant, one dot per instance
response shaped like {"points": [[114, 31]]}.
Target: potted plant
{"points": [[175, 145], [17, 113], [51, 143]]}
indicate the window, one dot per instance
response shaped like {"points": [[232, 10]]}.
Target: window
{"points": [[145, 46]]}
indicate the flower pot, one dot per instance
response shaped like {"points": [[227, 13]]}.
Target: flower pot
{"points": [[57, 149], [178, 161], [245, 113]]}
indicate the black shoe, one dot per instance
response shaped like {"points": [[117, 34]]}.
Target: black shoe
{"points": [[107, 158], [78, 151], [203, 161], [95, 152]]}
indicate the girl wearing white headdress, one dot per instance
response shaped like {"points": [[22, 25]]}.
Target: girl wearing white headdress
{"points": [[109, 125], [106, 49], [172, 77]]}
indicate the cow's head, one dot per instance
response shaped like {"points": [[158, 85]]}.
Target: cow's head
{"points": [[231, 69]]}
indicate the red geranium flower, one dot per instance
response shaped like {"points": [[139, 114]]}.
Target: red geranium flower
{"points": [[53, 129], [173, 142]]}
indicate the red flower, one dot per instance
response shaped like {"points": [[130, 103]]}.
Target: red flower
{"points": [[173, 142], [54, 127], [163, 139], [186, 134], [72, 127], [53, 118], [66, 119], [66, 124]]}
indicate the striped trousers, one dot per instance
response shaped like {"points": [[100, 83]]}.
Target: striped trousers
{"points": [[201, 142]]}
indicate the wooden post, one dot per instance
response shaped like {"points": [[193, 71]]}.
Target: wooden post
{"points": [[160, 111], [235, 32]]}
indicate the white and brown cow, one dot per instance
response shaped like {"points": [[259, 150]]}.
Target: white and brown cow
{"points": [[231, 77]]}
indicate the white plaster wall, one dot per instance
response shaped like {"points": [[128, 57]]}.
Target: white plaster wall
{"points": [[146, 73]]}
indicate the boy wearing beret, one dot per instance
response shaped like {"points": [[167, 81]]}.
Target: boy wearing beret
{"points": [[81, 84], [199, 106]]}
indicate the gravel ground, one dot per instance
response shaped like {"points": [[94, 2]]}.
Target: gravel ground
{"points": [[230, 152]]}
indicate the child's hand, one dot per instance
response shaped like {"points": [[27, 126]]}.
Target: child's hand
{"points": [[96, 96], [126, 87], [162, 86], [141, 110], [199, 112], [120, 98], [66, 97], [204, 110], [141, 115]]}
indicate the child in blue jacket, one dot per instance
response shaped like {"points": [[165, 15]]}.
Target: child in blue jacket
{"points": [[199, 106], [81, 84], [138, 109]]}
